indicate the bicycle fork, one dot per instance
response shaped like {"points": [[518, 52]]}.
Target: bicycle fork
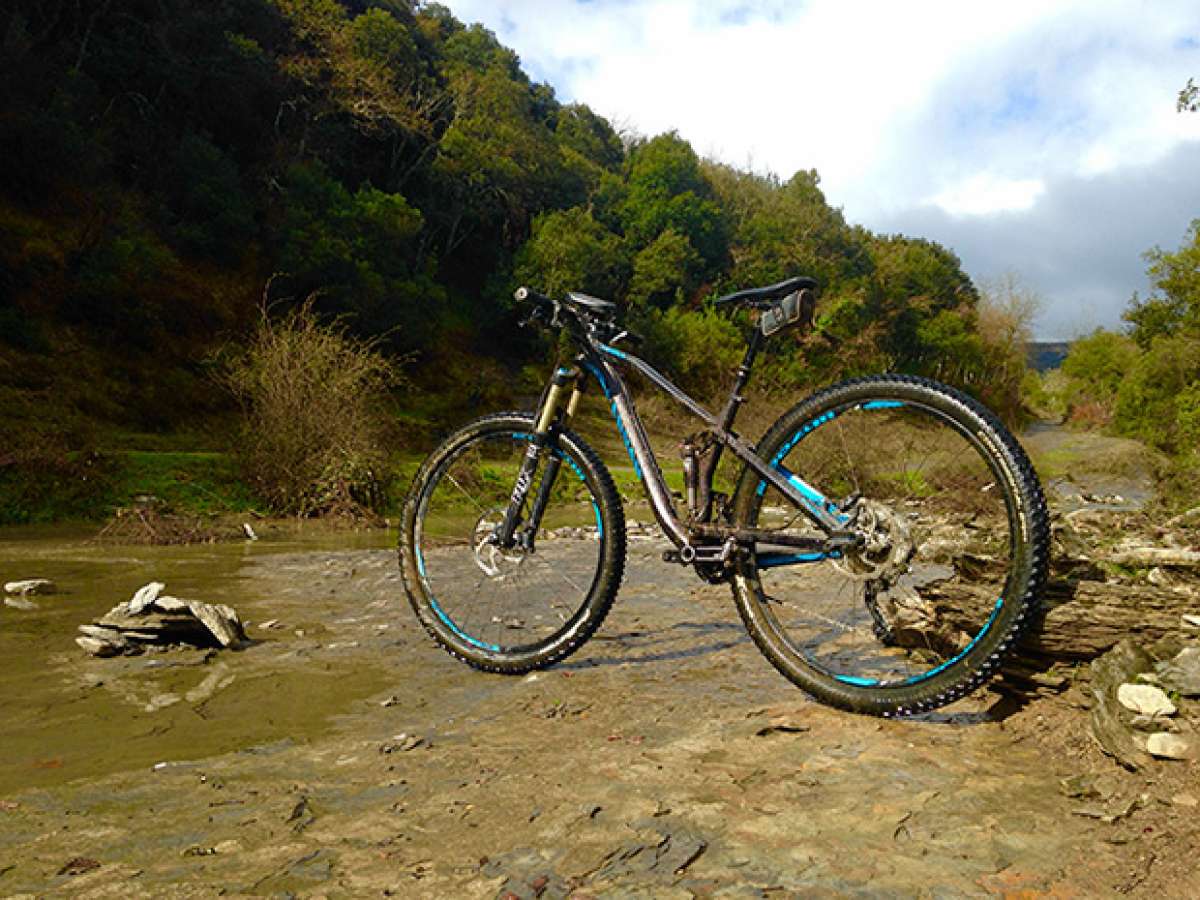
{"points": [[551, 416]]}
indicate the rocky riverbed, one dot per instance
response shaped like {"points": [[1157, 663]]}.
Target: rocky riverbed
{"points": [[341, 754]]}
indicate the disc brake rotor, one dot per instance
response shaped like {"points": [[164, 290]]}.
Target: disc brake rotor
{"points": [[493, 560], [887, 545]]}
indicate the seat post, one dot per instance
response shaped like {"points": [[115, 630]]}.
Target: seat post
{"points": [[742, 378]]}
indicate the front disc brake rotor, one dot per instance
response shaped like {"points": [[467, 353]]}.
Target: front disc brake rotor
{"points": [[493, 560]]}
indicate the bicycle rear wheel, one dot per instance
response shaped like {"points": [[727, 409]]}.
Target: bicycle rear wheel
{"points": [[955, 545], [522, 608]]}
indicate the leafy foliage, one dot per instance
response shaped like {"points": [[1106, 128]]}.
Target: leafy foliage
{"points": [[1189, 97], [1148, 383], [162, 161]]}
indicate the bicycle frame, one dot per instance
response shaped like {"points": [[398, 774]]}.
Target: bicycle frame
{"points": [[822, 511], [597, 360]]}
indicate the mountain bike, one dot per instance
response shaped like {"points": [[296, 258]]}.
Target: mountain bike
{"points": [[886, 541]]}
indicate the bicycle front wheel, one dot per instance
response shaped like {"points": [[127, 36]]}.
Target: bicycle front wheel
{"points": [[954, 546], [528, 606]]}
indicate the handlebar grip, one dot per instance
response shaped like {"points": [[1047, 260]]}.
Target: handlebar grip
{"points": [[524, 293]]}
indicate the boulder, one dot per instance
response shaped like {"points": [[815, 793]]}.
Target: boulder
{"points": [[1182, 673]]}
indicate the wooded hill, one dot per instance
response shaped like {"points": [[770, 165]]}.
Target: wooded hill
{"points": [[160, 161]]}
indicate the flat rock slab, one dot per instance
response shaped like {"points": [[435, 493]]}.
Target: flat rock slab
{"points": [[221, 621], [1169, 746], [31, 586], [145, 597], [1145, 699]]}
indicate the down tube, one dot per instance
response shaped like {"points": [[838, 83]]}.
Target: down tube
{"points": [[638, 445]]}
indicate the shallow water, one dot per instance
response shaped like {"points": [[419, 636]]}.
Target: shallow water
{"points": [[67, 715]]}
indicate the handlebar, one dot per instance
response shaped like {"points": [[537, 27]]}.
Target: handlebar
{"points": [[524, 293], [545, 310]]}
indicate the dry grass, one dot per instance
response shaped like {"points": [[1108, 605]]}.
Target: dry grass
{"points": [[146, 525], [313, 438]]}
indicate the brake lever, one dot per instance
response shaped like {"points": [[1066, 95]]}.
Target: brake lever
{"points": [[633, 339]]}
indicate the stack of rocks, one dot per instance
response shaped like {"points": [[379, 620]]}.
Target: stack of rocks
{"points": [[151, 619]]}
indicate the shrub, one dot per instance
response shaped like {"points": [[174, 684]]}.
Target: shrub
{"points": [[699, 348], [1160, 386], [1098, 363], [313, 436]]}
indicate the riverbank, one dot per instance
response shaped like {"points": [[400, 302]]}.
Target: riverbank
{"points": [[342, 752]]}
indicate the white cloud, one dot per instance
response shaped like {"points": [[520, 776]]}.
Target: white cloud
{"points": [[979, 109], [984, 194]]}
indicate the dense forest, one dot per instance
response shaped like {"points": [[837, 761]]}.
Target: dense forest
{"points": [[168, 165]]}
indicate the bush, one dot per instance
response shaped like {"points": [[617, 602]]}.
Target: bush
{"points": [[1156, 402], [1099, 363], [313, 437], [699, 348]]}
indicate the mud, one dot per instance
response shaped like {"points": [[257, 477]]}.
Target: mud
{"points": [[344, 755]]}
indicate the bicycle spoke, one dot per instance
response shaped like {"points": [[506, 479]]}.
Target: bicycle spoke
{"points": [[901, 466], [503, 598]]}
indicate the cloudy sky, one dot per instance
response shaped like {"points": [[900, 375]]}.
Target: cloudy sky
{"points": [[1038, 138]]}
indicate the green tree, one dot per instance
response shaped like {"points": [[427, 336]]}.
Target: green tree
{"points": [[1189, 97], [1099, 363], [1175, 304], [1161, 385], [663, 271], [666, 189], [350, 248], [787, 228], [571, 251]]}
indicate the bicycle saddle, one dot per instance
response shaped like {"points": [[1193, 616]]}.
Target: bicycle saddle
{"points": [[758, 297]]}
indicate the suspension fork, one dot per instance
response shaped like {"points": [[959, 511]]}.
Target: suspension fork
{"points": [[551, 416]]}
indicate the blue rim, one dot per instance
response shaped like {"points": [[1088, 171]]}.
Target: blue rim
{"points": [[440, 613], [773, 560]]}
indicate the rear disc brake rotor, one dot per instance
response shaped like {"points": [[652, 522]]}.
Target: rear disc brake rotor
{"points": [[886, 549]]}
